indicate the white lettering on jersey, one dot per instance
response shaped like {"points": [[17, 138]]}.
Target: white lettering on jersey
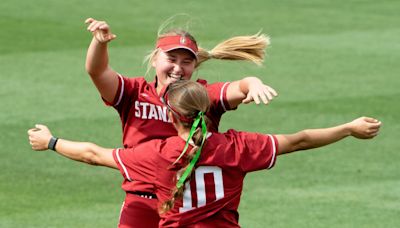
{"points": [[137, 109], [162, 114], [201, 187], [144, 110], [187, 199], [153, 112]]}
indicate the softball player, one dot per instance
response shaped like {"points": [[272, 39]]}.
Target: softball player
{"points": [[204, 169], [137, 101]]}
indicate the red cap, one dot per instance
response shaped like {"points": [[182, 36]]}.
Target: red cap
{"points": [[169, 43]]}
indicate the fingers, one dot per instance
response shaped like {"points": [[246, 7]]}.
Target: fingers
{"points": [[372, 131], [248, 99], [109, 37], [272, 91], [268, 95], [253, 97], [98, 25], [256, 98], [30, 131], [264, 94], [89, 20], [36, 139], [371, 135], [373, 124], [365, 127], [100, 30], [33, 142], [40, 127], [374, 134], [370, 120], [38, 131]]}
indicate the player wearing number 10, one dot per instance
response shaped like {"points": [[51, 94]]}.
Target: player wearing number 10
{"points": [[207, 180]]}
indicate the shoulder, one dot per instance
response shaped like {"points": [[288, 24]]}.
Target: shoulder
{"points": [[147, 147], [133, 83], [154, 144], [241, 138], [172, 147], [232, 134], [213, 84], [140, 80], [237, 134]]}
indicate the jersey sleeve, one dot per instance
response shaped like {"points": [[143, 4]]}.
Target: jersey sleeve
{"points": [[128, 89], [217, 94], [255, 151], [135, 164], [127, 92]]}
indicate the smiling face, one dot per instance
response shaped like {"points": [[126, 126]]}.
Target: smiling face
{"points": [[172, 66]]}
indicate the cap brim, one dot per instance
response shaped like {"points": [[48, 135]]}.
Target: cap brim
{"points": [[174, 47]]}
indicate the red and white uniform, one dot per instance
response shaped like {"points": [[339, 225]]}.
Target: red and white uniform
{"points": [[212, 196], [144, 117]]}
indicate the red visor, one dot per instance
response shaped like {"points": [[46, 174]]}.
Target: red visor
{"points": [[170, 43]]}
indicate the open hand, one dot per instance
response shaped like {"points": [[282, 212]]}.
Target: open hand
{"points": [[259, 92]]}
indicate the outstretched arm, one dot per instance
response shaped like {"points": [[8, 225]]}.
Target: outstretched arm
{"points": [[104, 78], [247, 90], [361, 128], [39, 138]]}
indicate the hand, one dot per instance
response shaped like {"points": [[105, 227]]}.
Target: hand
{"points": [[364, 127], [258, 91], [100, 30], [39, 137]]}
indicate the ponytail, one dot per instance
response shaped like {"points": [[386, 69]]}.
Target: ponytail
{"points": [[198, 134], [250, 48]]}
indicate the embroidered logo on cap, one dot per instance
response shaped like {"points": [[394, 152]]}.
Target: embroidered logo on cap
{"points": [[183, 40]]}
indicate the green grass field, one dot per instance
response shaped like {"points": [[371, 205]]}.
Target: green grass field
{"points": [[330, 61]]}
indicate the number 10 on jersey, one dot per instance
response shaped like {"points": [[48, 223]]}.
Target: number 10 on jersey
{"points": [[200, 173]]}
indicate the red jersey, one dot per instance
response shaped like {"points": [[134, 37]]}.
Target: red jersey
{"points": [[144, 117], [212, 196]]}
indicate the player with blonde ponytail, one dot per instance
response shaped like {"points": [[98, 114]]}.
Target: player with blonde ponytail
{"points": [[198, 175], [176, 56], [248, 48]]}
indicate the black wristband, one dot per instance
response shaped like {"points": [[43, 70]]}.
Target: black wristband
{"points": [[52, 143]]}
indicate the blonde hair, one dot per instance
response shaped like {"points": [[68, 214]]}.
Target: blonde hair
{"points": [[248, 48], [188, 98]]}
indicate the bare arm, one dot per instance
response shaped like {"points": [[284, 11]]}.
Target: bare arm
{"points": [[247, 90], [361, 128], [90, 153], [104, 78]]}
